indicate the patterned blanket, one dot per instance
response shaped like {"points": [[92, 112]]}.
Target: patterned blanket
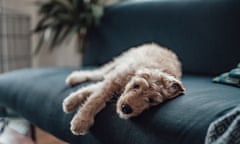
{"points": [[231, 78], [225, 130]]}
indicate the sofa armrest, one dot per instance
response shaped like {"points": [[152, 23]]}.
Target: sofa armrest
{"points": [[37, 94]]}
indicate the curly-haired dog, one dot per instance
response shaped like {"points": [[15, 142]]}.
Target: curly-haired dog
{"points": [[144, 76]]}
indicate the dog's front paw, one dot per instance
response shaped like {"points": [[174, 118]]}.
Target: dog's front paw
{"points": [[76, 77], [74, 100], [72, 79], [70, 103], [80, 125]]}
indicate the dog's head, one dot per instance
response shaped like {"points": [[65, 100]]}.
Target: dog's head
{"points": [[145, 89]]}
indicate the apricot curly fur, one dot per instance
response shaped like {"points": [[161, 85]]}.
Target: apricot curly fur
{"points": [[145, 76]]}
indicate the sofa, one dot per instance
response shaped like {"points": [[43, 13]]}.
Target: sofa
{"points": [[203, 33]]}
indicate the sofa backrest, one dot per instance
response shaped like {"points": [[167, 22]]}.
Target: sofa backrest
{"points": [[205, 34]]}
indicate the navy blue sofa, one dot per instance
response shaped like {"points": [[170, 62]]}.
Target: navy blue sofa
{"points": [[205, 36]]}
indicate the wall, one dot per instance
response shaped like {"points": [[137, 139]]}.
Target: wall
{"points": [[65, 55]]}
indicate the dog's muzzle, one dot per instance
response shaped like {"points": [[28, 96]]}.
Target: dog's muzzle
{"points": [[126, 109]]}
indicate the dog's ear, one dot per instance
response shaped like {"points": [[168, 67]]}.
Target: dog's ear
{"points": [[172, 87], [176, 88]]}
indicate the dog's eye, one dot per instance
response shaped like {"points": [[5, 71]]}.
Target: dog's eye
{"points": [[150, 100], [136, 86]]}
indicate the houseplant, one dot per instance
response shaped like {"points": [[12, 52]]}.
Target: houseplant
{"points": [[61, 19]]}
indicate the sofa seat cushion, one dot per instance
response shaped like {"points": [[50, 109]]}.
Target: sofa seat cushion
{"points": [[37, 95]]}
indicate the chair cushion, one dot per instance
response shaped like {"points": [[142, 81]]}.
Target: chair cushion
{"points": [[37, 94]]}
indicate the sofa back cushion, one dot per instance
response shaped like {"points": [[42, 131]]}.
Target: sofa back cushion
{"points": [[204, 34]]}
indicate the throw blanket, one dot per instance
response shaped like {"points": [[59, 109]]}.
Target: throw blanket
{"points": [[232, 77], [225, 130]]}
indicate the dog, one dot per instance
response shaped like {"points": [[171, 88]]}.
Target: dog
{"points": [[143, 76]]}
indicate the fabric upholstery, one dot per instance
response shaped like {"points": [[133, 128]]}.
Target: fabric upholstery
{"points": [[37, 94], [205, 34]]}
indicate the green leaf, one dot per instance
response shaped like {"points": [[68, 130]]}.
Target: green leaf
{"points": [[65, 3], [56, 34], [78, 6], [64, 18], [45, 8], [39, 45], [44, 27], [65, 33], [41, 24]]}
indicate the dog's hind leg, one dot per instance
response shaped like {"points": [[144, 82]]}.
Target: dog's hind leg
{"points": [[76, 99], [89, 75]]}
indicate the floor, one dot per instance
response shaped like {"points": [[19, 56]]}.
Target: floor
{"points": [[17, 131], [45, 138], [10, 136]]}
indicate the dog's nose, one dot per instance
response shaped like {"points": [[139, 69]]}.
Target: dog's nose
{"points": [[126, 109]]}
